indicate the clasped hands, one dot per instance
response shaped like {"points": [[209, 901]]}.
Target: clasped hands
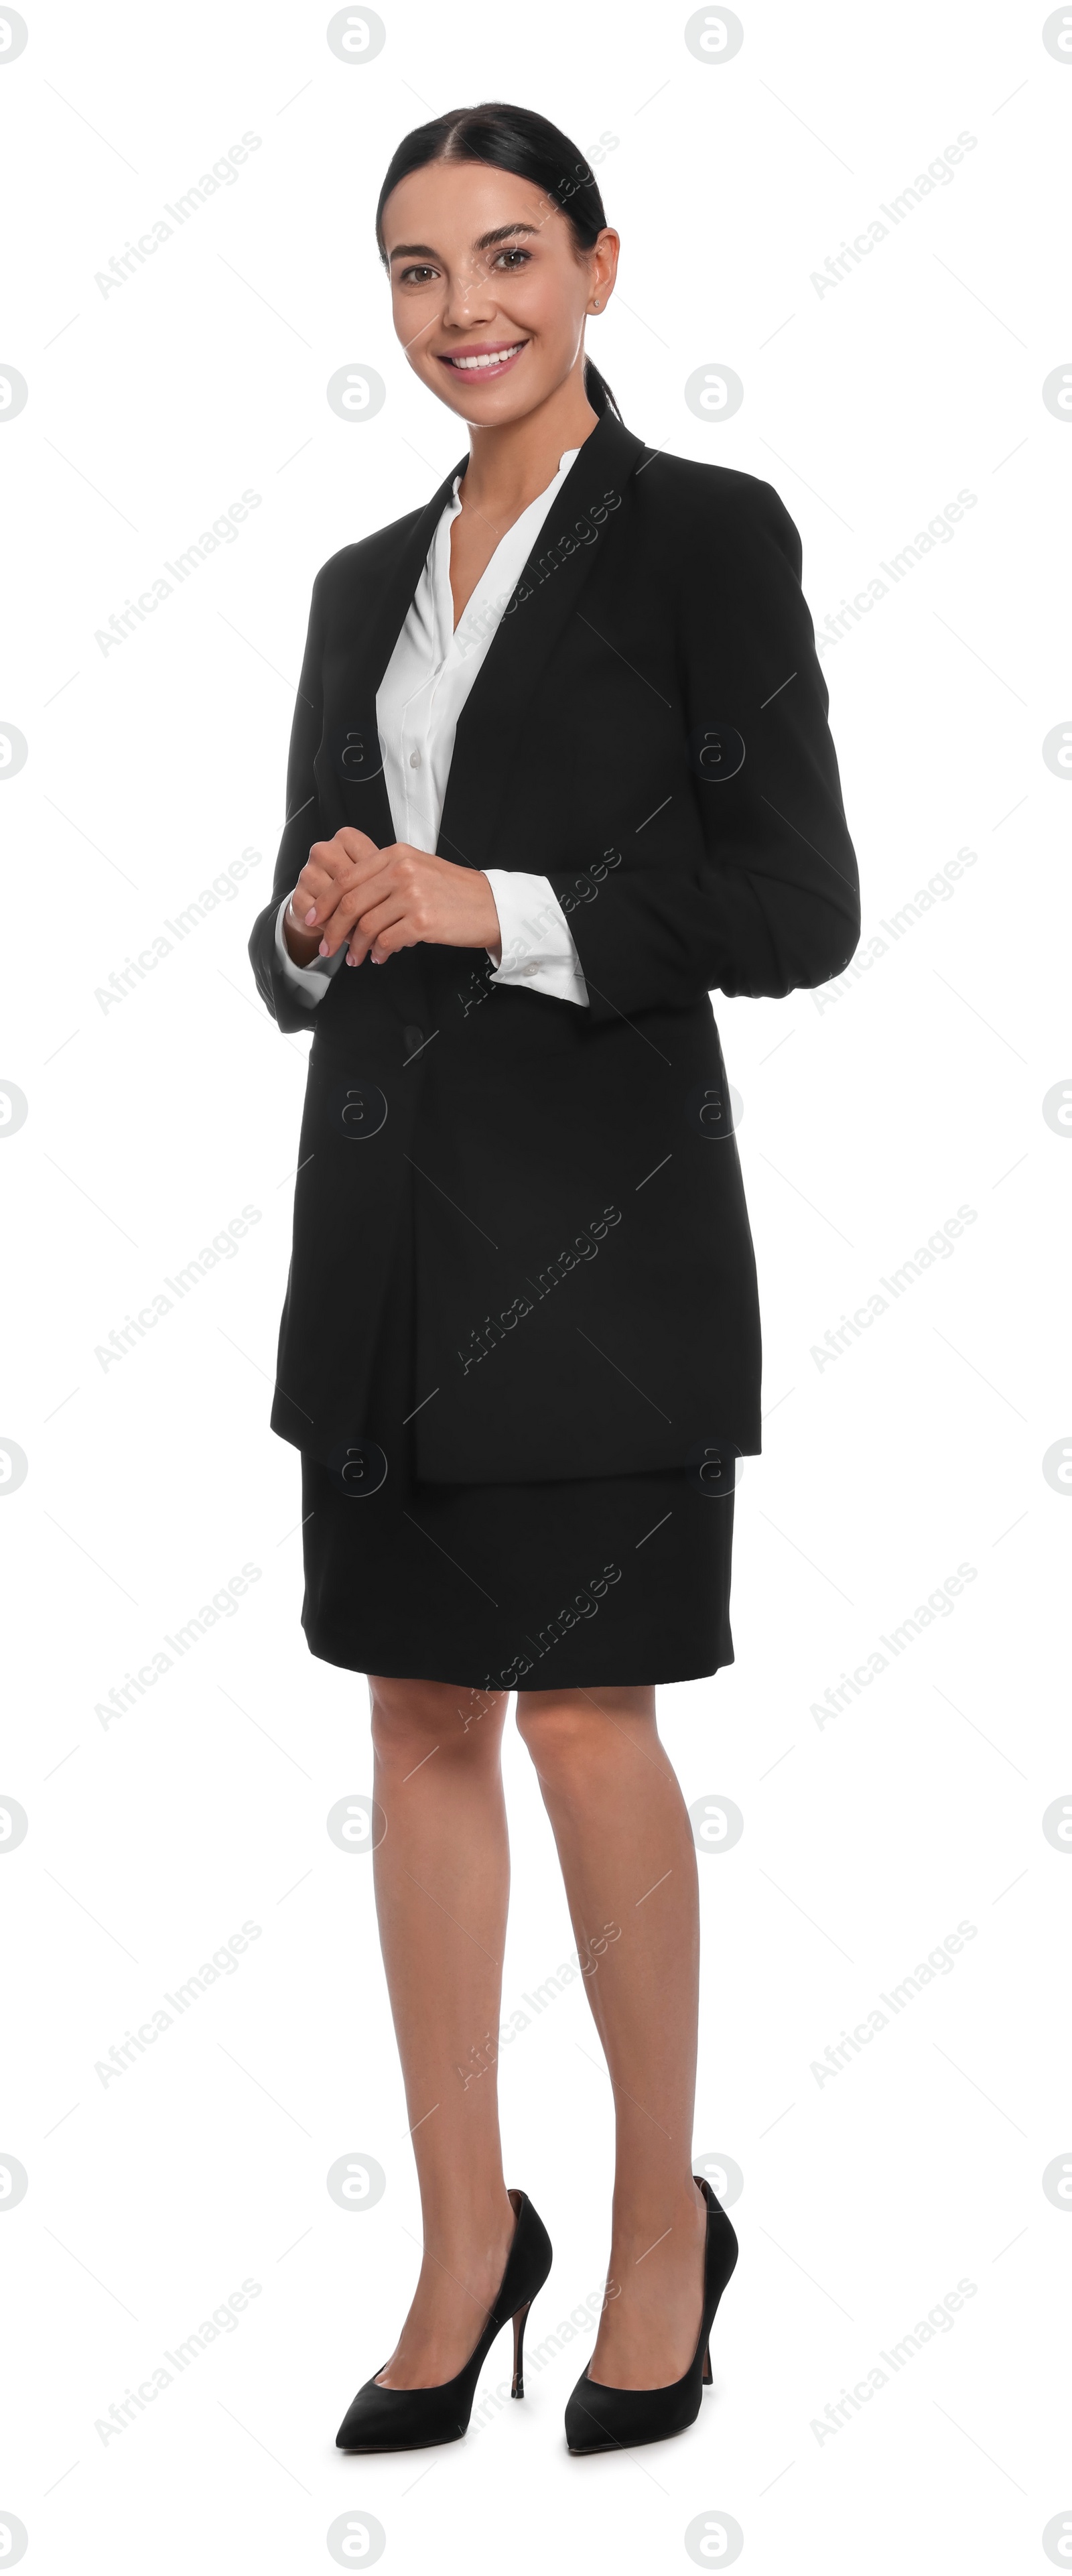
{"points": [[372, 902]]}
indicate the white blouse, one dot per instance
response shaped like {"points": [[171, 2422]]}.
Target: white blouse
{"points": [[418, 704]]}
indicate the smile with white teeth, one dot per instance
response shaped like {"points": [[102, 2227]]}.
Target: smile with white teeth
{"points": [[494, 358]]}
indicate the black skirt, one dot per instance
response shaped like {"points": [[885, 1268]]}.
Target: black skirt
{"points": [[595, 1582]]}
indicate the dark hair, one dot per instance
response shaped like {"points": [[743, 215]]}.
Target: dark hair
{"points": [[511, 138]]}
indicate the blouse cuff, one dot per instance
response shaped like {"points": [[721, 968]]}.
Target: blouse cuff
{"points": [[310, 981], [538, 948]]}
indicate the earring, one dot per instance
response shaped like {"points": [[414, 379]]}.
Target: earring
{"points": [[596, 305]]}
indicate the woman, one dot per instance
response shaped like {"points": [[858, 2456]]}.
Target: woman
{"points": [[559, 766]]}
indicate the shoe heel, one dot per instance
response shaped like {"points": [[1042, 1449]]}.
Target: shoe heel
{"points": [[707, 2367], [517, 2384]]}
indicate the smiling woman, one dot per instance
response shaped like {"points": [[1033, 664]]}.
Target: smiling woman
{"points": [[559, 767]]}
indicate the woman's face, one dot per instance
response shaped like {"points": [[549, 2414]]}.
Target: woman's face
{"points": [[484, 263]]}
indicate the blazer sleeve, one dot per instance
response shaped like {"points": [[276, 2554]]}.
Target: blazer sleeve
{"points": [[292, 1007], [746, 880]]}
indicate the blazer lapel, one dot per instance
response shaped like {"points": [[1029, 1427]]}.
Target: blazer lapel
{"points": [[353, 767], [580, 522], [349, 764]]}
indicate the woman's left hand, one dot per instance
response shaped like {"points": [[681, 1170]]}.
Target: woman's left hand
{"points": [[395, 897]]}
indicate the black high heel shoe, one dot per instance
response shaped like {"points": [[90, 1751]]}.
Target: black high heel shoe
{"points": [[611, 2419], [406, 2419]]}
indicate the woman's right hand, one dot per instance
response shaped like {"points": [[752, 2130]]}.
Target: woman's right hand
{"points": [[328, 873]]}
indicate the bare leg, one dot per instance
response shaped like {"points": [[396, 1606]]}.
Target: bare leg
{"points": [[629, 1865], [442, 1881]]}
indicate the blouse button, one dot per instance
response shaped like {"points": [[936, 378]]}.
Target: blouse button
{"points": [[415, 760]]}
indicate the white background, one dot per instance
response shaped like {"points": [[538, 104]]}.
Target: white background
{"points": [[870, 1116]]}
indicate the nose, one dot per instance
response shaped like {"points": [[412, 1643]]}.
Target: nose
{"points": [[469, 295]]}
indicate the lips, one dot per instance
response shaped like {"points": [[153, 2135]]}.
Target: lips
{"points": [[484, 362]]}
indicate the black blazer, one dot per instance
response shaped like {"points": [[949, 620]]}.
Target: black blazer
{"points": [[649, 731]]}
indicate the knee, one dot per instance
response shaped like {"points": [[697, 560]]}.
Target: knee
{"points": [[571, 1739], [563, 1736], [410, 1718]]}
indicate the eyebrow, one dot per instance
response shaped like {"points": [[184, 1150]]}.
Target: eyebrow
{"points": [[487, 241]]}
